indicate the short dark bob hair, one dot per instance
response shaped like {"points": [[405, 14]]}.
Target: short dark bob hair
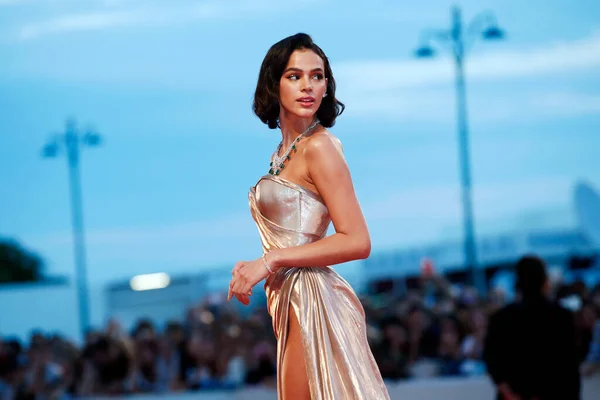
{"points": [[266, 96]]}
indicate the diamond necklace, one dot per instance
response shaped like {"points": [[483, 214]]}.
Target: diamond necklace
{"points": [[278, 163]]}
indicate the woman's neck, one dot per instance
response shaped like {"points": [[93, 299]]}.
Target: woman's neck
{"points": [[291, 127]]}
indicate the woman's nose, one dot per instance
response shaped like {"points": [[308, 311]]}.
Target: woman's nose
{"points": [[306, 84]]}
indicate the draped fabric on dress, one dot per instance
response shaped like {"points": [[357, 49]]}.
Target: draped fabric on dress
{"points": [[339, 362]]}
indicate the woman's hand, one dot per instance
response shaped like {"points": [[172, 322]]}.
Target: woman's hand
{"points": [[245, 275]]}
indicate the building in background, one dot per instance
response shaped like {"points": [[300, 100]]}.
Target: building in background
{"points": [[571, 251], [563, 250]]}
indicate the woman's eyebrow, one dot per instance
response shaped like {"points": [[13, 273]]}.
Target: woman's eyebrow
{"points": [[299, 70]]}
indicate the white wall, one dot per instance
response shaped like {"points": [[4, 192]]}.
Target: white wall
{"points": [[24, 307]]}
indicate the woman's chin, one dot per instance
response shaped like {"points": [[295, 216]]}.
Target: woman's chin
{"points": [[304, 112]]}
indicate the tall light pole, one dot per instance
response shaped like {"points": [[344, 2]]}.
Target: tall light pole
{"points": [[458, 39], [71, 141]]}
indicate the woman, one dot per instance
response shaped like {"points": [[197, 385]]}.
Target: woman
{"points": [[322, 349]]}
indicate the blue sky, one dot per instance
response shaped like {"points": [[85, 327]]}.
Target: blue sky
{"points": [[170, 88]]}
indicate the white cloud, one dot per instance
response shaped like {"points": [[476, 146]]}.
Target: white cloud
{"points": [[78, 22], [11, 2], [423, 90], [566, 103], [405, 105], [438, 106], [376, 75], [119, 13]]}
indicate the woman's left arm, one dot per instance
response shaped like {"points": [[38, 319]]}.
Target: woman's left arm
{"points": [[329, 172]]}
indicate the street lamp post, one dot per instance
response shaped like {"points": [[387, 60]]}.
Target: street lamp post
{"points": [[71, 141], [460, 39]]}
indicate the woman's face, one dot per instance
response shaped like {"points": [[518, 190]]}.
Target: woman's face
{"points": [[302, 84]]}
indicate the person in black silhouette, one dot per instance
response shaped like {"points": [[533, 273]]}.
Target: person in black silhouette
{"points": [[530, 347]]}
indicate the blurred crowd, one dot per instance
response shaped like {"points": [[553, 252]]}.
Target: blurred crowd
{"points": [[434, 330]]}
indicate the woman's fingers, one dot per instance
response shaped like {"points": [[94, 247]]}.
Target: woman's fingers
{"points": [[242, 298], [230, 291], [236, 268], [239, 285], [234, 273], [240, 282], [237, 289]]}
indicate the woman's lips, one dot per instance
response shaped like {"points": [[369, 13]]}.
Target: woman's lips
{"points": [[306, 101]]}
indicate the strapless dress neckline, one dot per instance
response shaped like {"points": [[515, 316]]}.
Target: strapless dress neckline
{"points": [[287, 182]]}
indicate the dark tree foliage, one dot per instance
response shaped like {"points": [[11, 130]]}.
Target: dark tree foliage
{"points": [[18, 264]]}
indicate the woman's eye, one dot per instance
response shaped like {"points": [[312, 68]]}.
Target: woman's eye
{"points": [[293, 77], [318, 76]]}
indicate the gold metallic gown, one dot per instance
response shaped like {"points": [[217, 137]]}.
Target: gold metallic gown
{"points": [[339, 362]]}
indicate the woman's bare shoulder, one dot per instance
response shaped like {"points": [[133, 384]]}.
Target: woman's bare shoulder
{"points": [[323, 142]]}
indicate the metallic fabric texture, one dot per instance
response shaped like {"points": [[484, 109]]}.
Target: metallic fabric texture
{"points": [[339, 362]]}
